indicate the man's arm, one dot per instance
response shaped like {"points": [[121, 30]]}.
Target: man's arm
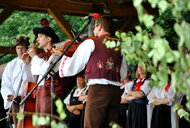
{"points": [[75, 64]]}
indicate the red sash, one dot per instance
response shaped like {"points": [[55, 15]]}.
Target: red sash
{"points": [[139, 84], [167, 87]]}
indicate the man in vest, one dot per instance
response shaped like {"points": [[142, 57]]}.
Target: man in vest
{"points": [[105, 69], [39, 65]]}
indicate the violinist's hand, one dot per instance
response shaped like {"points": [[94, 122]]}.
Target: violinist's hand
{"points": [[56, 52], [32, 52]]}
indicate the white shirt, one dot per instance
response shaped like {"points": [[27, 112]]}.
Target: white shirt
{"points": [[145, 87], [77, 93], [39, 66], [161, 93], [13, 72], [75, 64]]}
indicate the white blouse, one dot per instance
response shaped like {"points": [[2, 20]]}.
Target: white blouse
{"points": [[145, 87], [161, 93], [77, 93]]}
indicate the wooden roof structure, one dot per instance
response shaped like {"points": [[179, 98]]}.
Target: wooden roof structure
{"points": [[57, 8]]}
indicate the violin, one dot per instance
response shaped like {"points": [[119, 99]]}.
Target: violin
{"points": [[72, 48]]}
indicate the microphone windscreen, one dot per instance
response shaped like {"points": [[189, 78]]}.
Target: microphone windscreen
{"points": [[95, 15]]}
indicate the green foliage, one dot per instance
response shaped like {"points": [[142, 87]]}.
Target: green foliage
{"points": [[162, 40], [21, 24], [60, 110]]}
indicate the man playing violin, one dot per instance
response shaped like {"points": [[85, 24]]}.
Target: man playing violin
{"points": [[105, 69], [39, 65], [15, 75]]}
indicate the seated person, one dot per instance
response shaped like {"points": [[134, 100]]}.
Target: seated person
{"points": [[73, 104]]}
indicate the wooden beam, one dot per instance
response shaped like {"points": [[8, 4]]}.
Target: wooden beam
{"points": [[66, 7], [4, 49], [129, 24], [6, 13], [65, 26]]}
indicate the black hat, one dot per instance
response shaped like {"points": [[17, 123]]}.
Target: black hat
{"points": [[48, 32]]}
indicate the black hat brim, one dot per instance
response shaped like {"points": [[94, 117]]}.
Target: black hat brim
{"points": [[48, 32]]}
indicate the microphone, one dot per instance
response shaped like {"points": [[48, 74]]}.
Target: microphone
{"points": [[91, 16]]}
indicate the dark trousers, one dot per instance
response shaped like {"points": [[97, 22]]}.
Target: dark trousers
{"points": [[102, 106]]}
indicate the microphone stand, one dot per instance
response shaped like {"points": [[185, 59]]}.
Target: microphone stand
{"points": [[50, 69]]}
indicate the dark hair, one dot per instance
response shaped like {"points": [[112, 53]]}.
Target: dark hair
{"points": [[81, 75], [22, 41], [107, 23]]}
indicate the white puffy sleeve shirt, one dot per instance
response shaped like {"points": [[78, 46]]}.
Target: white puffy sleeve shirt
{"points": [[75, 64], [39, 66], [14, 71]]}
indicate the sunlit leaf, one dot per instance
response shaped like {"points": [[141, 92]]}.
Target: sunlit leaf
{"points": [[20, 116], [118, 34], [137, 2], [42, 121], [123, 35], [148, 20], [138, 28], [169, 57], [162, 5], [53, 124], [139, 36], [34, 120]]}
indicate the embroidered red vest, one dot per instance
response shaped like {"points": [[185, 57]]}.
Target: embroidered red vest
{"points": [[58, 82], [104, 62]]}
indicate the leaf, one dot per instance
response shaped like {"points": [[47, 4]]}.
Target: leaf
{"points": [[152, 69], [42, 121], [139, 37], [53, 124], [59, 105], [20, 116], [182, 113], [61, 125], [162, 5], [158, 30], [123, 35], [153, 3], [60, 110], [169, 57], [117, 34], [138, 28], [63, 115], [136, 3], [148, 20], [34, 120]]}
